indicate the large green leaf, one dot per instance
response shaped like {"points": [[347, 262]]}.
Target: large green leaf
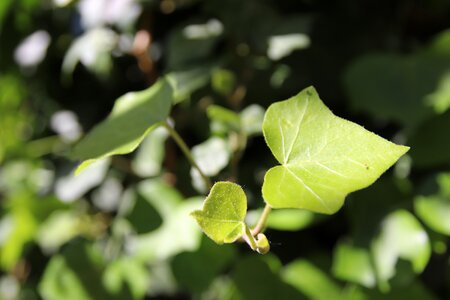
{"points": [[223, 213], [134, 115], [322, 157]]}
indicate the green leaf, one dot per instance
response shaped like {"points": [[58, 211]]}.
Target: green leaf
{"points": [[185, 82], [127, 272], [323, 157], [353, 264], [255, 278], [403, 88], [225, 117], [310, 280], [401, 236], [434, 210], [206, 263], [75, 274], [178, 231], [134, 115], [223, 213]]}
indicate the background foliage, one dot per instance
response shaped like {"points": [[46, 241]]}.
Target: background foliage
{"points": [[121, 229]]}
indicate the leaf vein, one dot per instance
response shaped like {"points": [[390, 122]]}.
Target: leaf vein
{"points": [[297, 133], [309, 189]]}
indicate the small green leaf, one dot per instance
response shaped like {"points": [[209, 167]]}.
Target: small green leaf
{"points": [[134, 115], [222, 217], [323, 157]]}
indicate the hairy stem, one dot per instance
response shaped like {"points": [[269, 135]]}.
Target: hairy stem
{"points": [[185, 149], [262, 220]]}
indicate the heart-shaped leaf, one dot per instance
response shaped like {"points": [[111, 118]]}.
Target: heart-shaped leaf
{"points": [[134, 115], [323, 157], [223, 213]]}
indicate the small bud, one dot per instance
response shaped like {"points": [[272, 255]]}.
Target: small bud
{"points": [[262, 244]]}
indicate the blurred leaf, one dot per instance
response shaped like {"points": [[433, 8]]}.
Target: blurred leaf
{"points": [[414, 291], [211, 156], [93, 50], [401, 237], [249, 120], [434, 210], [206, 263], [353, 264], [291, 219], [14, 118], [323, 157], [192, 44], [399, 87], [367, 208], [4, 8], [186, 82], [150, 154], [429, 136], [75, 274], [252, 119], [143, 215], [177, 233], [134, 115], [60, 227], [71, 186], [255, 279], [283, 45], [440, 98], [310, 280], [21, 224], [223, 81], [222, 288], [127, 271], [223, 213], [226, 117]]}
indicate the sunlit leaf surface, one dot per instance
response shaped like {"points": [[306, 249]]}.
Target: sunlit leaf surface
{"points": [[322, 157]]}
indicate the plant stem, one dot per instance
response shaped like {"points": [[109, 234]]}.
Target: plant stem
{"points": [[262, 220], [249, 238], [185, 149]]}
